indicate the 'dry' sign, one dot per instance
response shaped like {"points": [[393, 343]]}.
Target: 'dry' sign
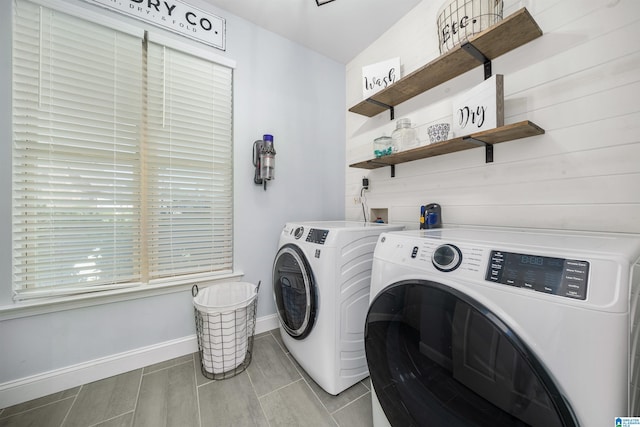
{"points": [[480, 108], [378, 76]]}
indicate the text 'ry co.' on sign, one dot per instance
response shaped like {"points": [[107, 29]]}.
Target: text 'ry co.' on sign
{"points": [[175, 16]]}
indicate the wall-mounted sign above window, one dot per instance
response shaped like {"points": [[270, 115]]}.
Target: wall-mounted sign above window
{"points": [[175, 16]]}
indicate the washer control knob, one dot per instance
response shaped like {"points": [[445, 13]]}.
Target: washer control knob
{"points": [[446, 257], [299, 232]]}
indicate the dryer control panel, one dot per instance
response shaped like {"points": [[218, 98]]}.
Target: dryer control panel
{"points": [[317, 236], [557, 276]]}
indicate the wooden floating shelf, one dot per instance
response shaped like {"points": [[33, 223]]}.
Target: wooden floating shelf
{"points": [[505, 133], [512, 32]]}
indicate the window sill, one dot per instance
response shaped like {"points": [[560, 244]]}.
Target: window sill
{"points": [[49, 305]]}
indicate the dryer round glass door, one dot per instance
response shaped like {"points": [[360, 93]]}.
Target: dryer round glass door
{"points": [[439, 358], [294, 291]]}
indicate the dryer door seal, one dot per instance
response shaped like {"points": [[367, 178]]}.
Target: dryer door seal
{"points": [[438, 357], [294, 291]]}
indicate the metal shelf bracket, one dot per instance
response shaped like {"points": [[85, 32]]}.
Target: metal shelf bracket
{"points": [[488, 148], [383, 105], [473, 51], [393, 167]]}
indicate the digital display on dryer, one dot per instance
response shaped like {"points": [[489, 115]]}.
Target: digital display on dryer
{"points": [[317, 236], [557, 276]]}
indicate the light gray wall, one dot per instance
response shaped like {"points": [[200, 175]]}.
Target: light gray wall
{"points": [[298, 96], [280, 88], [580, 82]]}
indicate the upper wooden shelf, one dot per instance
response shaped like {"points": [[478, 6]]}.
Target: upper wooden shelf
{"points": [[514, 31], [505, 133]]}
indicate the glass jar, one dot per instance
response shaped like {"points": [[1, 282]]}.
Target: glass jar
{"points": [[383, 146], [405, 137]]}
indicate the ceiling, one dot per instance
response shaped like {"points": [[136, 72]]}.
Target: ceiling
{"points": [[339, 30]]}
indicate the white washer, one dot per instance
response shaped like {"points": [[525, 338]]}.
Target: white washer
{"points": [[321, 281], [504, 327]]}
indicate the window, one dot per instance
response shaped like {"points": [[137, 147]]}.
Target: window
{"points": [[122, 157]]}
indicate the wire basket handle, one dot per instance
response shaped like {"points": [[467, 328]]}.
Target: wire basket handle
{"points": [[195, 289]]}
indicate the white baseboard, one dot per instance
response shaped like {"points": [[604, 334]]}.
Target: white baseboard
{"points": [[267, 323], [43, 384]]}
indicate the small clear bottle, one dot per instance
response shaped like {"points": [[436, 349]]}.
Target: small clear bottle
{"points": [[383, 146], [405, 137]]}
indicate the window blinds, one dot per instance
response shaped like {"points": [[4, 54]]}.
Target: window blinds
{"points": [[189, 164], [122, 166]]}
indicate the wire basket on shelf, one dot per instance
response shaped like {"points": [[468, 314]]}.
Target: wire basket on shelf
{"points": [[225, 324], [460, 19]]}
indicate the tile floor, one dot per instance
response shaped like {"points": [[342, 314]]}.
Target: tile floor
{"points": [[272, 391]]}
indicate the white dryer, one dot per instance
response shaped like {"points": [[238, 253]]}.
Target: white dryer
{"points": [[504, 327], [321, 282]]}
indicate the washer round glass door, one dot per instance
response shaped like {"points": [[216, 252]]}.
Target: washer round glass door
{"points": [[294, 291], [439, 358]]}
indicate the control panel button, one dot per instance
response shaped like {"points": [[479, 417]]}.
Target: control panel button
{"points": [[298, 232], [414, 252]]}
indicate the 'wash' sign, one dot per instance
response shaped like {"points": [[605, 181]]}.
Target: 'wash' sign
{"points": [[378, 76], [175, 16]]}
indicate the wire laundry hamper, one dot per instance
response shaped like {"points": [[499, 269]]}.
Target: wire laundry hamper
{"points": [[225, 324], [460, 19]]}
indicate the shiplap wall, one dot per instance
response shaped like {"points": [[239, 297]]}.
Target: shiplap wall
{"points": [[580, 82]]}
